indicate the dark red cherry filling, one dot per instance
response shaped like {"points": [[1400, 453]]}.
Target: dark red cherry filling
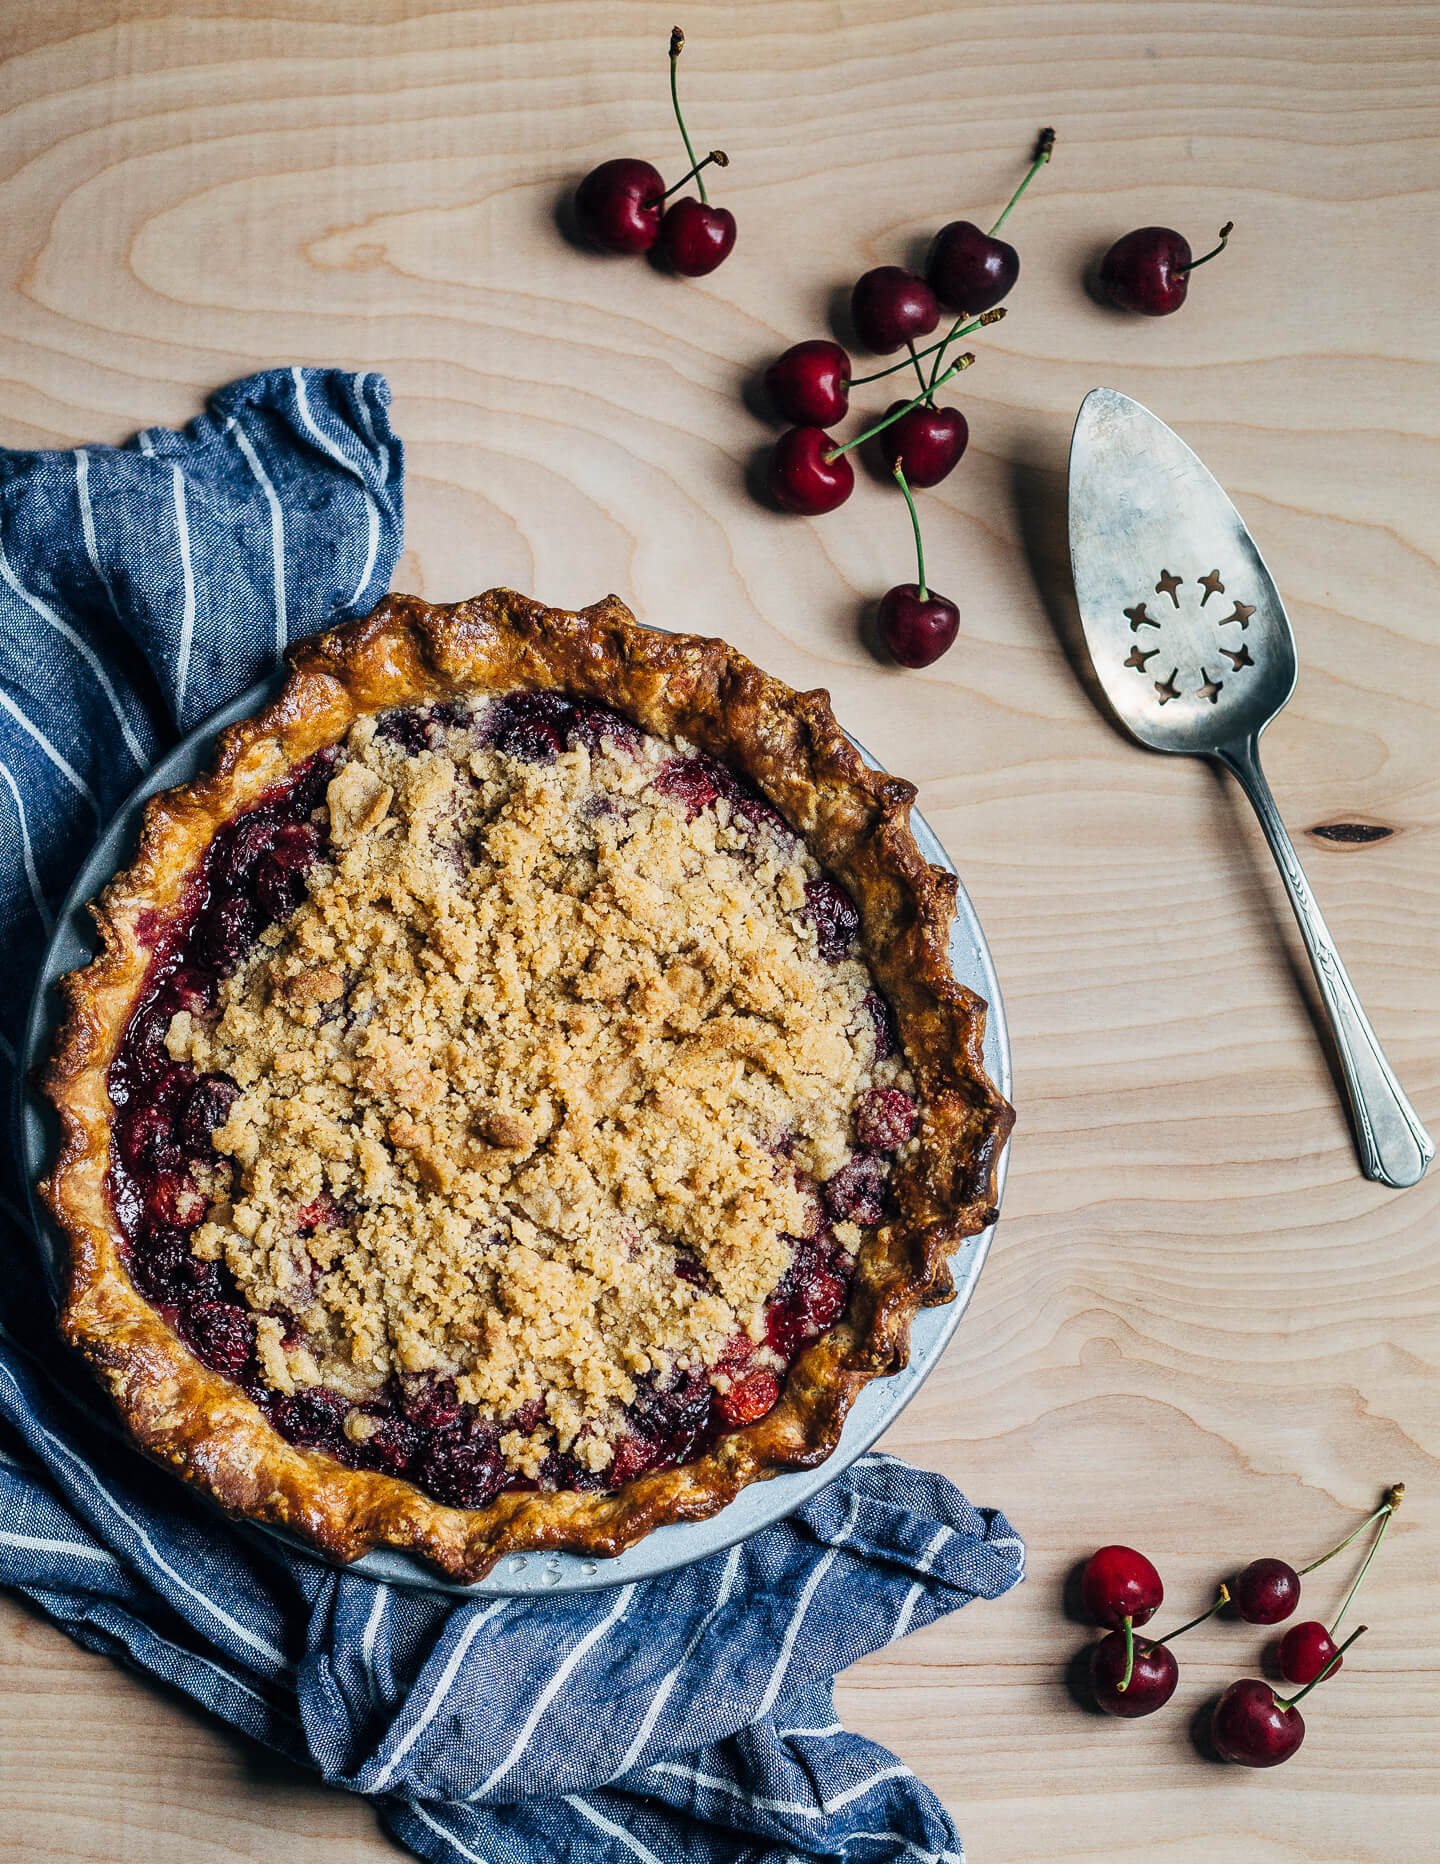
{"points": [[168, 1272], [393, 1445], [222, 1334], [882, 1018], [462, 1467], [699, 781], [592, 725], [408, 726], [856, 1194], [811, 1294], [832, 913], [207, 1106], [252, 876], [535, 727], [884, 1119], [253, 872]]}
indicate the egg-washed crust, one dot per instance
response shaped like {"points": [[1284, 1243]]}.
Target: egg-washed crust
{"points": [[855, 821]]}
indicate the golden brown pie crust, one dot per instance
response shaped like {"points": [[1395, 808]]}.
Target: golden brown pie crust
{"points": [[856, 823]]}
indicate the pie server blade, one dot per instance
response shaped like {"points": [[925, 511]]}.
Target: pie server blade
{"points": [[1194, 651]]}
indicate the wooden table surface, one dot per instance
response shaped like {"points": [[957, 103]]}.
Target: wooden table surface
{"points": [[1200, 1330]]}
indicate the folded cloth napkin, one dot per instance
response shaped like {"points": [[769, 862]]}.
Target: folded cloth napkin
{"points": [[683, 1720]]}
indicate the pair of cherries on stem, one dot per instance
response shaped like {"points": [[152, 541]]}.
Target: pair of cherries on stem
{"points": [[966, 269], [1121, 1590], [1269, 1591], [620, 206], [809, 472]]}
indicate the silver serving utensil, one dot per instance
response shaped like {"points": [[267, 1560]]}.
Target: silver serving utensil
{"points": [[1196, 655]]}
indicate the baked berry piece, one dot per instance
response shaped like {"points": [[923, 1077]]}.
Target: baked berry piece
{"points": [[504, 1100]]}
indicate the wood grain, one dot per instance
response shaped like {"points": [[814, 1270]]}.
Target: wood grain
{"points": [[1200, 1329]]}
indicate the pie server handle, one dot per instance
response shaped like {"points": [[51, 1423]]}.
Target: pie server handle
{"points": [[1394, 1147]]}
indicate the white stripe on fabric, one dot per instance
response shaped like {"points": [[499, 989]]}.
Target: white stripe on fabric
{"points": [[145, 444], [437, 1695], [49, 749], [912, 1597], [642, 1734], [87, 524], [262, 1645], [372, 510], [807, 1592], [27, 852], [367, 1642], [187, 619], [897, 1772], [33, 1545], [369, 426], [553, 1688], [821, 1810], [413, 1805], [814, 1734], [277, 531], [82, 647], [713, 1783], [630, 1842]]}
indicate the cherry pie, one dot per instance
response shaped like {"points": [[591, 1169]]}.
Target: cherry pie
{"points": [[522, 1096]]}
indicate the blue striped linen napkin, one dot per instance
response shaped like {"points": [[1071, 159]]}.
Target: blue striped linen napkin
{"points": [[687, 1719]]}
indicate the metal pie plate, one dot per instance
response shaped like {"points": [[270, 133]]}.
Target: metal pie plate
{"points": [[881, 1402]]}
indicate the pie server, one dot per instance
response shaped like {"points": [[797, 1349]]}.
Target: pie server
{"points": [[1195, 653]]}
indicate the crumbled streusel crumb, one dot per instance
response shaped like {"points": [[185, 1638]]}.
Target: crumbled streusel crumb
{"points": [[532, 1032]]}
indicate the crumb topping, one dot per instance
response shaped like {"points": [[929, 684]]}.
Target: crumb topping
{"points": [[539, 1084]]}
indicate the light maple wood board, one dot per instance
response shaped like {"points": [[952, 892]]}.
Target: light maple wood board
{"points": [[1200, 1330]]}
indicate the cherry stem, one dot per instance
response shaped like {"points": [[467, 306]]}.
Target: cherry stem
{"points": [[919, 372], [1225, 232], [990, 317], [1124, 1682], [889, 420], [1043, 150], [904, 486], [677, 46], [1300, 1695], [1386, 1512], [1222, 1599], [1394, 1495], [717, 156]]}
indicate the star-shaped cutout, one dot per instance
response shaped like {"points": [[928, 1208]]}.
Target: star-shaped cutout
{"points": [[1212, 585], [1139, 655], [1167, 689], [1238, 656], [1243, 612], [1139, 619], [1168, 584], [1212, 689]]}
